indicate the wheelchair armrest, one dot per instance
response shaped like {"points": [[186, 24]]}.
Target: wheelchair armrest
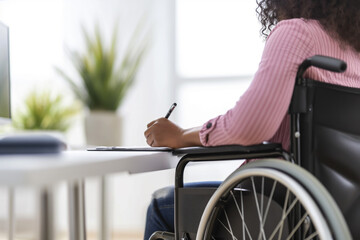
{"points": [[225, 152], [227, 149]]}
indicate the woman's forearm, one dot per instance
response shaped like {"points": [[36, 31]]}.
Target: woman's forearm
{"points": [[191, 137]]}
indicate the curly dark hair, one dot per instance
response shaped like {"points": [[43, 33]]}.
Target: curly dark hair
{"points": [[340, 18]]}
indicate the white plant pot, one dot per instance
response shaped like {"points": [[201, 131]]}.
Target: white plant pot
{"points": [[103, 128]]}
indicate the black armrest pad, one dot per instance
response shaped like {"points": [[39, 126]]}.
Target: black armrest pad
{"points": [[228, 149]]}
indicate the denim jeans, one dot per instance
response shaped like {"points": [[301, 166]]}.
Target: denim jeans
{"points": [[160, 213]]}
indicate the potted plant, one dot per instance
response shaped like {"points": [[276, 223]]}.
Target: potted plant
{"points": [[46, 112], [105, 80]]}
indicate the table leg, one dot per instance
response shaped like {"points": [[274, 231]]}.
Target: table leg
{"points": [[104, 230], [46, 214], [11, 218], [77, 227]]}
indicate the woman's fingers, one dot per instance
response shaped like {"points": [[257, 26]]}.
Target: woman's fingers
{"points": [[149, 129], [147, 133], [150, 140], [151, 123]]}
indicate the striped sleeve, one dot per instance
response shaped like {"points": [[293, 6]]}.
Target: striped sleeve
{"points": [[259, 112]]}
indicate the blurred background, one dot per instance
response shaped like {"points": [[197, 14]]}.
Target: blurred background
{"points": [[201, 54]]}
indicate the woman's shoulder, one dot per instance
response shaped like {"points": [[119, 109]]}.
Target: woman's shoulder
{"points": [[298, 22], [296, 26]]}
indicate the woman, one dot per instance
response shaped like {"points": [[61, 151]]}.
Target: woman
{"points": [[298, 29]]}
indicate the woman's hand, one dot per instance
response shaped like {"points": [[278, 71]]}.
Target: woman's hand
{"points": [[164, 133]]}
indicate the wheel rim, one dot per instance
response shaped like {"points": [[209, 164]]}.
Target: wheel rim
{"points": [[310, 225]]}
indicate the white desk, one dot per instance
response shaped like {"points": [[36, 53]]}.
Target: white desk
{"points": [[73, 167]]}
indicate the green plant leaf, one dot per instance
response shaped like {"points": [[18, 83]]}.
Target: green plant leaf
{"points": [[104, 83], [44, 111]]}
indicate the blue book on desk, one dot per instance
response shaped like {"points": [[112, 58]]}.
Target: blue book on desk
{"points": [[30, 144]]}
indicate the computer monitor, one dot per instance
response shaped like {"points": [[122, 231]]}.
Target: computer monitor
{"points": [[5, 109]]}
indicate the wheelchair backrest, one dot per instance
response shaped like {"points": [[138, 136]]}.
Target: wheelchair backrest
{"points": [[329, 127]]}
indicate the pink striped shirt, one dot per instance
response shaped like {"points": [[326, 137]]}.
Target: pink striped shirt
{"points": [[261, 112]]}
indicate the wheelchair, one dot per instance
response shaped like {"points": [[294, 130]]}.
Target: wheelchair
{"points": [[312, 192]]}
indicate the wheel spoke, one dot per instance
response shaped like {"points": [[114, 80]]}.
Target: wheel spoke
{"points": [[312, 236], [228, 221], [297, 226], [241, 214], [262, 198], [282, 220], [262, 232], [242, 209], [262, 210], [284, 210], [269, 201], [268, 205], [227, 229]]}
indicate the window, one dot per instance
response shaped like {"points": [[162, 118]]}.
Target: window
{"points": [[217, 50], [36, 42]]}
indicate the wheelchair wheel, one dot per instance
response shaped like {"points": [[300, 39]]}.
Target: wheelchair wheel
{"points": [[272, 199]]}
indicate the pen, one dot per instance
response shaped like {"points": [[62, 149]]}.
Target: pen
{"points": [[170, 110]]}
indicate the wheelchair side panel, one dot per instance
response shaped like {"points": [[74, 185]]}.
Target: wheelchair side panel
{"points": [[192, 202]]}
